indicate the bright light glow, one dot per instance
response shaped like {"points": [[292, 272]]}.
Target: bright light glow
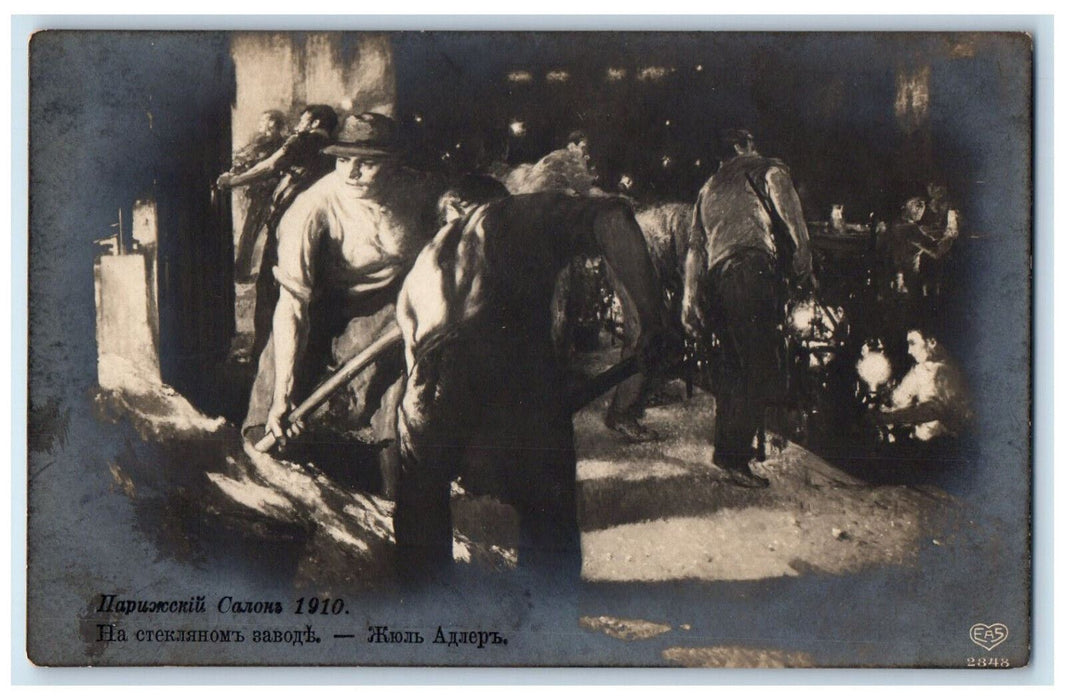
{"points": [[520, 76], [517, 128], [912, 98], [653, 73], [557, 76], [801, 318], [615, 74], [874, 369]]}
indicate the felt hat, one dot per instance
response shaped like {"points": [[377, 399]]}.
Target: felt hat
{"points": [[366, 134]]}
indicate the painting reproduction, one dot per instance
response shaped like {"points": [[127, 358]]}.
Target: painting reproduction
{"points": [[515, 348]]}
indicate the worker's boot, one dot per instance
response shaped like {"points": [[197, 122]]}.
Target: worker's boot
{"points": [[743, 476], [631, 430], [738, 469]]}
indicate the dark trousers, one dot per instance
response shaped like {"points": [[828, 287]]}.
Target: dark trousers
{"points": [[489, 409], [744, 313], [267, 291], [255, 218]]}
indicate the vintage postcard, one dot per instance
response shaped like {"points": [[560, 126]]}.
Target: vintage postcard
{"points": [[682, 349]]}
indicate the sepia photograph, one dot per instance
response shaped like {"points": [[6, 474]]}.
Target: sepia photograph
{"points": [[706, 349]]}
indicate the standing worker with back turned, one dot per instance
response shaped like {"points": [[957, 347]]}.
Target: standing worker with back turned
{"points": [[734, 274]]}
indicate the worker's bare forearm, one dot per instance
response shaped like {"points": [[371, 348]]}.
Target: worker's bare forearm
{"points": [[289, 337], [260, 171], [923, 412], [694, 270]]}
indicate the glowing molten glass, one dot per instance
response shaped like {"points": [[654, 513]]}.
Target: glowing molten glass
{"points": [[802, 317], [874, 369]]}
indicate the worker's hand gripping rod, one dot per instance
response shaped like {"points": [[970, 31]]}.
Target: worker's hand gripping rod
{"points": [[389, 339]]}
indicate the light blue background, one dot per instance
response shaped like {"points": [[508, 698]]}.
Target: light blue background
{"points": [[1040, 671]]}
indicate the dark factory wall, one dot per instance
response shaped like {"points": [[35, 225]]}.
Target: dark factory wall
{"points": [[825, 103], [116, 117]]}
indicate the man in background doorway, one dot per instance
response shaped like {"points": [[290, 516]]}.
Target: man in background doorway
{"points": [[297, 164], [268, 138]]}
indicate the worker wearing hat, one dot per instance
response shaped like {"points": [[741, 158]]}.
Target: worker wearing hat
{"points": [[344, 246]]}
